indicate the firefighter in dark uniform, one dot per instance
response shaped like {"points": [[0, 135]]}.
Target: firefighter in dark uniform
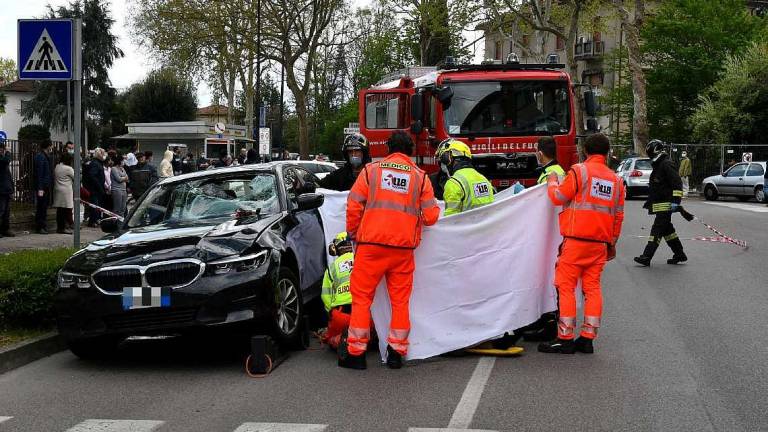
{"points": [[664, 197], [441, 176], [356, 155]]}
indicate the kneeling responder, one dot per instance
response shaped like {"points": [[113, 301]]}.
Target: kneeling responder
{"points": [[386, 208], [467, 188], [592, 197], [545, 328], [665, 192], [335, 293]]}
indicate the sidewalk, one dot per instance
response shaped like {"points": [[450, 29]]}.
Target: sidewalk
{"points": [[26, 240]]}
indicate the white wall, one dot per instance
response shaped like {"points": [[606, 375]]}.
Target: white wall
{"points": [[11, 121]]}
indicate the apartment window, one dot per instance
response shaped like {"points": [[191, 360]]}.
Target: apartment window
{"points": [[596, 36], [498, 54]]}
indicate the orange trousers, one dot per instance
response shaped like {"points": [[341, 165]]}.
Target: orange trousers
{"points": [[579, 260], [338, 321], [373, 262]]}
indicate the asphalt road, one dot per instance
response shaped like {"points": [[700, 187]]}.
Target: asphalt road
{"points": [[682, 348]]}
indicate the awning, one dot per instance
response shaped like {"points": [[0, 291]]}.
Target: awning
{"points": [[173, 136]]}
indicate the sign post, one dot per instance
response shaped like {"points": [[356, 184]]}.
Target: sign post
{"points": [[265, 141], [52, 50]]}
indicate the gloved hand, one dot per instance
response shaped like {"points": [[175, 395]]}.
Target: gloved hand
{"points": [[685, 214], [611, 252], [675, 207]]}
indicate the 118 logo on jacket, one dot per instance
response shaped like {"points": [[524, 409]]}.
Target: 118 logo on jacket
{"points": [[481, 190], [602, 189], [395, 181]]}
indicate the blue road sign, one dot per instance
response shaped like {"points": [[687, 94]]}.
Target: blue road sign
{"points": [[45, 49], [3, 136]]}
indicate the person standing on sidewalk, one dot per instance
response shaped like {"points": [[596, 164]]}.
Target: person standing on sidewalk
{"points": [[119, 182], [6, 191], [95, 182], [43, 182], [63, 200], [387, 206], [685, 171]]}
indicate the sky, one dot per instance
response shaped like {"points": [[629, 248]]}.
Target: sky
{"points": [[126, 71]]}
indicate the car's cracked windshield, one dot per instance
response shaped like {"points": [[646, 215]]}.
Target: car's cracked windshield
{"points": [[207, 199], [508, 108]]}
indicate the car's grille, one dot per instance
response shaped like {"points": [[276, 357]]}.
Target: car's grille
{"points": [[114, 280], [173, 274], [151, 319]]}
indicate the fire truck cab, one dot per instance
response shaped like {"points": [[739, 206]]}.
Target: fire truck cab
{"points": [[498, 110]]}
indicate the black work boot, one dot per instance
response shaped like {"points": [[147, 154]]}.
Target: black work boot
{"points": [[545, 331], [558, 346], [584, 345], [645, 258], [394, 358], [347, 360], [677, 248], [506, 341]]}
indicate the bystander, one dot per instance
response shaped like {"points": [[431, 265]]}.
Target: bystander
{"points": [[63, 200], [6, 191], [43, 181]]}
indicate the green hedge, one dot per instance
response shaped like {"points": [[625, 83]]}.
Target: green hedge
{"points": [[27, 286]]}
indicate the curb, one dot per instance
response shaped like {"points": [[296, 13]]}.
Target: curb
{"points": [[26, 352]]}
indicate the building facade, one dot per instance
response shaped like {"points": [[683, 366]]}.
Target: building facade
{"points": [[17, 94]]}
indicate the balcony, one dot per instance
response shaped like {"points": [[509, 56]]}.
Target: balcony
{"points": [[589, 50]]}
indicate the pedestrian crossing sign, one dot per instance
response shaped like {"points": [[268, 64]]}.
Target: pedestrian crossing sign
{"points": [[45, 49]]}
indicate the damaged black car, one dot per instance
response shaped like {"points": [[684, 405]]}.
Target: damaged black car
{"points": [[212, 248]]}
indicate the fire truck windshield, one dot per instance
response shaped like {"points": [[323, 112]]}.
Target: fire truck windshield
{"points": [[508, 108]]}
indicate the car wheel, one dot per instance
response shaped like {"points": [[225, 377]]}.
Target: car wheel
{"points": [[289, 309], [759, 194], [96, 348], [628, 193], [710, 193]]}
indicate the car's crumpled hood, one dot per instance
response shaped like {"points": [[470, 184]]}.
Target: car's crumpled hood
{"points": [[164, 241]]}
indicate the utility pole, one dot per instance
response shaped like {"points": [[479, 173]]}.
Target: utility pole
{"points": [[78, 79], [282, 98], [258, 75]]}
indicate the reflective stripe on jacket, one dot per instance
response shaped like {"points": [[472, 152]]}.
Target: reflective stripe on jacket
{"points": [[389, 202], [592, 197], [465, 190], [555, 168], [335, 290]]}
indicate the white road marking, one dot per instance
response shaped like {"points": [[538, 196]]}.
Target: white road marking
{"points": [[465, 410], [448, 430], [280, 427], [101, 425], [756, 208], [2, 419]]}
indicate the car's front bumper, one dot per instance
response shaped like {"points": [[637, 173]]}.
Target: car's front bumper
{"points": [[211, 300]]}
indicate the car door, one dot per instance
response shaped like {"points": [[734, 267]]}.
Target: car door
{"points": [[306, 237], [753, 177], [732, 182]]}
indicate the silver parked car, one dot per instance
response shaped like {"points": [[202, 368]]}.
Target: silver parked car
{"points": [[636, 172], [743, 180]]}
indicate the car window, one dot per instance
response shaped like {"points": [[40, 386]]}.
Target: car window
{"points": [[620, 168], [755, 170], [208, 198], [643, 164], [737, 170], [330, 168]]}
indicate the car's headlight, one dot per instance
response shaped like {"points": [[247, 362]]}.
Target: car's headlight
{"points": [[71, 280], [238, 263]]}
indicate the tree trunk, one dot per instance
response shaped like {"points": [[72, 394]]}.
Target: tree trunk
{"points": [[573, 67], [248, 87], [303, 120], [640, 133], [231, 96]]}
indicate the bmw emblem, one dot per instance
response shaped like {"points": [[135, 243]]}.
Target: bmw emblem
{"points": [[146, 257]]}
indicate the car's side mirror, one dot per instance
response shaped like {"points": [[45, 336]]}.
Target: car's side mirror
{"points": [[109, 225], [444, 95], [309, 201]]}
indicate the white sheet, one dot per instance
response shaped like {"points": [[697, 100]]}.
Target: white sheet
{"points": [[478, 273]]}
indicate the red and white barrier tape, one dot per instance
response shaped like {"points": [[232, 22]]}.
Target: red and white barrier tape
{"points": [[720, 238], [103, 210]]}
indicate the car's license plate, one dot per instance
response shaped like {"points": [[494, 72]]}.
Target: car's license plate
{"points": [[136, 298]]}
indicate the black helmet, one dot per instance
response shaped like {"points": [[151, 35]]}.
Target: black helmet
{"points": [[355, 141], [655, 147]]}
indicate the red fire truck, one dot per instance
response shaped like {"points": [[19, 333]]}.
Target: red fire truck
{"points": [[499, 110]]}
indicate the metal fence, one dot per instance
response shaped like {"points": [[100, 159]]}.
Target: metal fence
{"points": [[706, 159], [23, 167]]}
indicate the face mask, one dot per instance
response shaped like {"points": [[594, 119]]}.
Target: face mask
{"points": [[444, 168], [355, 161], [71, 151]]}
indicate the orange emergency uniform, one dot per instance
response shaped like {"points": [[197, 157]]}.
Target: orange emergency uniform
{"points": [[386, 208], [592, 197]]}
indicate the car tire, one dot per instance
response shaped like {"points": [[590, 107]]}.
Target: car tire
{"points": [[759, 194], [288, 316], [97, 348], [710, 193], [628, 192]]}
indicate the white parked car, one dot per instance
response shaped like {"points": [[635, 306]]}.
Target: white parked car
{"points": [[635, 172], [318, 168], [743, 180]]}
